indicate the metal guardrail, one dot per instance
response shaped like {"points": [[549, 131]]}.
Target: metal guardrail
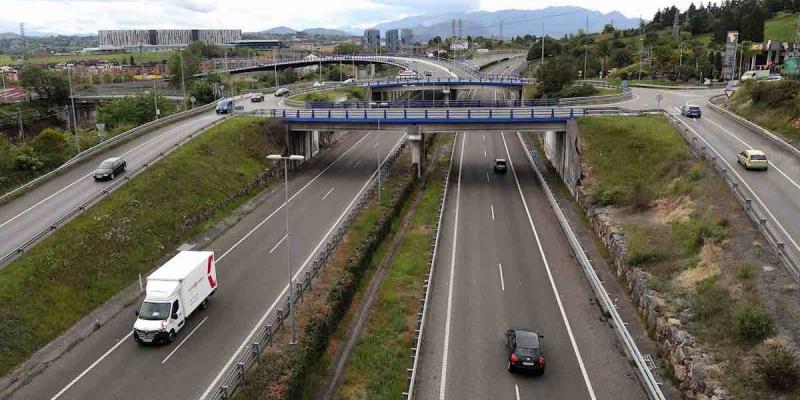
{"points": [[491, 79], [647, 379], [105, 192], [751, 126], [91, 152], [420, 328], [756, 210], [263, 336]]}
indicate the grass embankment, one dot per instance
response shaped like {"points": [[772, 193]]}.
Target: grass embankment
{"points": [[103, 250], [349, 93], [121, 58], [773, 105], [688, 231], [781, 27], [376, 369], [286, 374]]}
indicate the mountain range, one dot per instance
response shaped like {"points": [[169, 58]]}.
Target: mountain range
{"points": [[558, 21], [284, 30]]}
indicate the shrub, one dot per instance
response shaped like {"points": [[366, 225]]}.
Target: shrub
{"points": [[779, 367], [52, 147], [578, 91], [710, 300], [751, 323], [606, 196]]}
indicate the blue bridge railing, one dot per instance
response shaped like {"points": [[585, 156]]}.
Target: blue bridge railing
{"points": [[450, 116], [359, 104]]}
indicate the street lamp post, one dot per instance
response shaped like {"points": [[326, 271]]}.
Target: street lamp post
{"points": [[286, 159], [641, 56], [74, 116], [585, 54], [183, 79]]}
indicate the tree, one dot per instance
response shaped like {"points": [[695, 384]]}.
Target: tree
{"points": [[133, 110], [604, 51], [132, 61], [555, 74], [191, 63], [608, 28], [203, 91], [48, 85], [621, 57], [51, 146], [347, 48]]}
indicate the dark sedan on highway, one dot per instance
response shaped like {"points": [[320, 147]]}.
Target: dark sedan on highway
{"points": [[525, 350], [109, 168]]}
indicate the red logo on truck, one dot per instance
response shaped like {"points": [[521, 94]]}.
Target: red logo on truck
{"points": [[208, 273]]}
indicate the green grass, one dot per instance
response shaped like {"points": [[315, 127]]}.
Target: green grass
{"points": [[781, 116], [781, 27], [350, 93], [376, 369], [633, 157], [121, 58], [103, 250]]}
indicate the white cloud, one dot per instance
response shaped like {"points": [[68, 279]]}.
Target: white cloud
{"points": [[87, 16]]}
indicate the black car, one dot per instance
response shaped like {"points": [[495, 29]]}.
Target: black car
{"points": [[690, 110], [257, 98], [109, 168], [500, 165], [525, 350]]}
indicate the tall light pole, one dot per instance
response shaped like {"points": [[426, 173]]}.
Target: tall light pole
{"points": [[641, 57], [74, 116], [585, 54], [155, 98], [183, 77], [286, 159]]}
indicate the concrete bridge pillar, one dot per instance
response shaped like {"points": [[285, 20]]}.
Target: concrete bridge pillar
{"points": [[562, 148], [417, 139]]}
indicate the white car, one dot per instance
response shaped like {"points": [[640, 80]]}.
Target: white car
{"points": [[318, 84], [347, 81]]}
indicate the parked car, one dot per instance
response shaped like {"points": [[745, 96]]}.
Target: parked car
{"points": [[281, 92], [348, 81], [318, 84], [109, 168], [753, 159], [525, 350], [225, 107], [257, 98], [690, 110], [500, 165]]}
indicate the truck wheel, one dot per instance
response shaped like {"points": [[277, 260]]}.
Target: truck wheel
{"points": [[171, 337], [204, 304], [112, 176]]}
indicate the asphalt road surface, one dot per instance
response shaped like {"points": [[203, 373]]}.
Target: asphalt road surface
{"points": [[503, 262], [252, 274]]}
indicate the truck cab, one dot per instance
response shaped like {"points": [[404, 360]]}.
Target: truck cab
{"points": [[161, 315]]}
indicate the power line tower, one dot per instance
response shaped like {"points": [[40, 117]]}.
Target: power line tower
{"points": [[675, 23], [24, 42]]}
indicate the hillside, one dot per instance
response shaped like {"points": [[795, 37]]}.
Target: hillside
{"points": [[781, 27]]}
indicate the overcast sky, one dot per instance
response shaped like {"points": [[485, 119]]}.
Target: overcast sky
{"points": [[85, 16]]}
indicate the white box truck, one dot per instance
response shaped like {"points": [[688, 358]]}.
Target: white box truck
{"points": [[173, 292]]}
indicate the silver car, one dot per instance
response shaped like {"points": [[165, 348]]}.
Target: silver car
{"points": [[109, 168]]}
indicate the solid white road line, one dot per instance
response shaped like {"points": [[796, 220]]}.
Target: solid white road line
{"points": [[502, 282], [278, 244], [184, 340], [327, 194], [491, 206], [235, 245], [94, 364], [550, 276], [84, 177], [758, 199], [357, 164], [792, 181], [484, 153], [516, 390], [300, 270], [487, 176], [443, 382]]}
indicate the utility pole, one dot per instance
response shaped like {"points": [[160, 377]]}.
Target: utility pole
{"points": [[21, 130], [585, 55], [275, 64], [680, 54], [155, 98], [641, 58], [74, 117], [141, 60]]}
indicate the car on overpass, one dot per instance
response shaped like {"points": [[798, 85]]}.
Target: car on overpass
{"points": [[525, 350], [753, 159], [109, 168], [691, 110]]}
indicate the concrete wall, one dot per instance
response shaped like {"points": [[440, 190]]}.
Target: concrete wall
{"points": [[562, 149]]}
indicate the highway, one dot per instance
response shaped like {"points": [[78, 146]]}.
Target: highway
{"points": [[504, 263], [30, 213], [252, 273], [777, 189]]}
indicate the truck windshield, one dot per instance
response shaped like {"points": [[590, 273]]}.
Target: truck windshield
{"points": [[154, 311]]}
